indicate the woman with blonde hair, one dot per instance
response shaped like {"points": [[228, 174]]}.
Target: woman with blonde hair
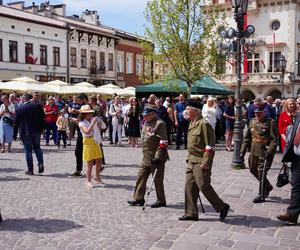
{"points": [[286, 119], [209, 112]]}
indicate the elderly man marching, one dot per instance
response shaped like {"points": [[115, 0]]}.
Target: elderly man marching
{"points": [[154, 140], [201, 143], [262, 137]]}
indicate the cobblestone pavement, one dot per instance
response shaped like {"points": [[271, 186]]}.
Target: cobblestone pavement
{"points": [[52, 211]]}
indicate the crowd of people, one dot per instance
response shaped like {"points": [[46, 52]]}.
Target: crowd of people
{"points": [[195, 124]]}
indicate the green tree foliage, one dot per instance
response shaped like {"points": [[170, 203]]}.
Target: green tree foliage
{"points": [[184, 33]]}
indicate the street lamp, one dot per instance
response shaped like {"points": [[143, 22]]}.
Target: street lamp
{"points": [[283, 68], [236, 43]]}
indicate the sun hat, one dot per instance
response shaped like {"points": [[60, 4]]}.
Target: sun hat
{"points": [[86, 109]]}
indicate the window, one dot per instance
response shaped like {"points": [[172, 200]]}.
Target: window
{"points": [[43, 55], [56, 56], [13, 51], [83, 58], [129, 63], [102, 63], [253, 63], [93, 62], [275, 25], [1, 57], [276, 67], [110, 61], [139, 64], [29, 53], [120, 63], [73, 57]]}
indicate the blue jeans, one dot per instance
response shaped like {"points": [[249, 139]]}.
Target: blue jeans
{"points": [[51, 127], [32, 142]]}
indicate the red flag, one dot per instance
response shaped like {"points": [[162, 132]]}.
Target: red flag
{"points": [[245, 53]]}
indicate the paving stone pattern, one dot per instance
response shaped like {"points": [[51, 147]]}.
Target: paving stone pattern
{"points": [[51, 211]]}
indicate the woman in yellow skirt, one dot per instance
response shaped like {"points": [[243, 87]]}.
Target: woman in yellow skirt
{"points": [[91, 149]]}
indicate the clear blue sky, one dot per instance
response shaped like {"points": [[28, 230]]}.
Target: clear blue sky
{"points": [[127, 15]]}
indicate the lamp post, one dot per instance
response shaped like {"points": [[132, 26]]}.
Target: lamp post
{"points": [[283, 68], [236, 44]]}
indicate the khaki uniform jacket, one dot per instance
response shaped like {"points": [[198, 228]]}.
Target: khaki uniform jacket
{"points": [[259, 135], [200, 135], [152, 133]]}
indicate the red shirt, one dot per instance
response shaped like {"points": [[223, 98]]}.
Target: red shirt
{"points": [[284, 121], [51, 117]]}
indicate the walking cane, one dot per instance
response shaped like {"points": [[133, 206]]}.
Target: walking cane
{"points": [[149, 190], [262, 182], [203, 211]]}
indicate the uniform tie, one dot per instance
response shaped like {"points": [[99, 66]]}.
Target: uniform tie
{"points": [[297, 136]]}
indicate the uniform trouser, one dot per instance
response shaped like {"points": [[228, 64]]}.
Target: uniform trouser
{"points": [[294, 207], [197, 179], [256, 165], [143, 174], [79, 152]]}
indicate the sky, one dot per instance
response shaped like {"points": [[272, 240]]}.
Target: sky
{"points": [[127, 15]]}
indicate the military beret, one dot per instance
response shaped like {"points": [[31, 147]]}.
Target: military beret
{"points": [[149, 108]]}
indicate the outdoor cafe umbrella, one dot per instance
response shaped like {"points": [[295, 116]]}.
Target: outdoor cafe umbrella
{"points": [[128, 92], [60, 87], [86, 87], [24, 84], [107, 89]]}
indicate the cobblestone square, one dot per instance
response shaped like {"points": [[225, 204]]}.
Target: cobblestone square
{"points": [[52, 211]]}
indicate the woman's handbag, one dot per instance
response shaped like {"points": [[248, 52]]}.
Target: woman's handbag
{"points": [[121, 120], [8, 120], [283, 177]]}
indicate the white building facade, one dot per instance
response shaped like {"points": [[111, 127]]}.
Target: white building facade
{"points": [[277, 32], [31, 45]]}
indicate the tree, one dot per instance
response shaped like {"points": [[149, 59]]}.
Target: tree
{"points": [[184, 33]]}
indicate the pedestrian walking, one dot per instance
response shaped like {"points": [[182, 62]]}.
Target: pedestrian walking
{"points": [[62, 125], [7, 114], [51, 112], [30, 132], [262, 138], [116, 113], [155, 155], [91, 143], [180, 123], [292, 154], [201, 151]]}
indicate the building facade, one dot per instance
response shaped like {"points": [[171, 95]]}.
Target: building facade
{"points": [[44, 43], [277, 33], [31, 45]]}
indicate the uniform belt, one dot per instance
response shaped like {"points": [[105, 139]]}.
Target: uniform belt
{"points": [[259, 140]]}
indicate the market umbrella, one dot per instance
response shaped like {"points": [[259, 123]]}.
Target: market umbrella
{"points": [[86, 87], [107, 89], [24, 84], [172, 86], [109, 86], [60, 87], [209, 86], [128, 92]]}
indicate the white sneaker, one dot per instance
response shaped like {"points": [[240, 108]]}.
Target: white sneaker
{"points": [[90, 185]]}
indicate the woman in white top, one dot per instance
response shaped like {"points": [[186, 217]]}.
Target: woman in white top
{"points": [[209, 112], [117, 121], [91, 148], [7, 113]]}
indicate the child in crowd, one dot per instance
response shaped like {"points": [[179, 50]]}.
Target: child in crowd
{"points": [[91, 140], [62, 124]]}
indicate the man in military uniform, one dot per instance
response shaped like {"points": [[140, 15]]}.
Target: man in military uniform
{"points": [[154, 139], [262, 137], [200, 146]]}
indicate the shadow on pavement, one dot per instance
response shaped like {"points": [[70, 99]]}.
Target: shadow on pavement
{"points": [[123, 165], [10, 170], [180, 206], [123, 186], [13, 178], [57, 175], [120, 177], [275, 199], [38, 225], [251, 221]]}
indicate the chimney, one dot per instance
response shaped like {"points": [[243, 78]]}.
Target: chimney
{"points": [[90, 16], [17, 5]]}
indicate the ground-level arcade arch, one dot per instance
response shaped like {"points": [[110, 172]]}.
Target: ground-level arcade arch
{"points": [[247, 94], [275, 93]]}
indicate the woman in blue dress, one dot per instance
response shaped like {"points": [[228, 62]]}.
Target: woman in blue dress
{"points": [[7, 113], [229, 116]]}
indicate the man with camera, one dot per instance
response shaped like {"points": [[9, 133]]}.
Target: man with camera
{"points": [[262, 137], [155, 155]]}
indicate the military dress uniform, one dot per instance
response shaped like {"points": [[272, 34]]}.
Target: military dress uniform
{"points": [[262, 138], [155, 155], [200, 146]]}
